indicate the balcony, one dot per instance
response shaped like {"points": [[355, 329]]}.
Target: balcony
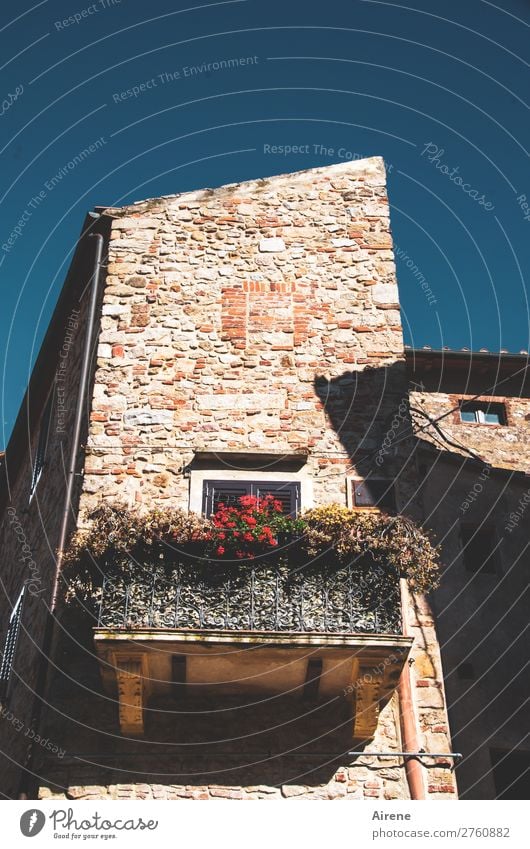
{"points": [[258, 628], [253, 597]]}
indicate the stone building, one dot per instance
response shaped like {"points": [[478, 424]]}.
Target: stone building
{"points": [[32, 498], [471, 415], [245, 340]]}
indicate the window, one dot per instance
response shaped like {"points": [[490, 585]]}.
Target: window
{"points": [[511, 774], [229, 493], [40, 454], [10, 645], [479, 546], [482, 412], [374, 492]]}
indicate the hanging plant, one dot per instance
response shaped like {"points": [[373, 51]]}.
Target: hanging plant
{"points": [[117, 539], [392, 541]]}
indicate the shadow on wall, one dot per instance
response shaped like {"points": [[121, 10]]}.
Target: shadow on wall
{"points": [[201, 741], [190, 738], [369, 411]]}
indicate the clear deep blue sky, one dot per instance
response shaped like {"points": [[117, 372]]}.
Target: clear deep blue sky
{"points": [[354, 77]]}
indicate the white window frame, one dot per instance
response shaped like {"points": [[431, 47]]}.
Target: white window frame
{"points": [[480, 415]]}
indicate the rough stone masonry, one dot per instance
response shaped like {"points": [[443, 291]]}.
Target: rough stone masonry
{"points": [[254, 318], [221, 309]]}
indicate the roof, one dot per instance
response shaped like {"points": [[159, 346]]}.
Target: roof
{"points": [[372, 167], [464, 352], [469, 372], [46, 363]]}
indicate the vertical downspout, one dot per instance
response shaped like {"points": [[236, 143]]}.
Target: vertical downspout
{"points": [[49, 632], [409, 729]]}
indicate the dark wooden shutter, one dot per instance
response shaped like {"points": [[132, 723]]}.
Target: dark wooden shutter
{"points": [[229, 493], [287, 493], [10, 645], [223, 492], [374, 492]]}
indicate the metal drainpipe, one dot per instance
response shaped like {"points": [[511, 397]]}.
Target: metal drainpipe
{"points": [[49, 632], [409, 731]]}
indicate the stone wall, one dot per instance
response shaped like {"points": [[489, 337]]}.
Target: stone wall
{"points": [[500, 446], [257, 317], [481, 617]]}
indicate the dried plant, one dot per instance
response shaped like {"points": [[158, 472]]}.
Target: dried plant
{"points": [[118, 539]]}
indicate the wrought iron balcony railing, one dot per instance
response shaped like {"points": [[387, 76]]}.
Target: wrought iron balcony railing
{"points": [[254, 596]]}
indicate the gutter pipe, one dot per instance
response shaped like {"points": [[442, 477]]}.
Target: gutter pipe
{"points": [[409, 731]]}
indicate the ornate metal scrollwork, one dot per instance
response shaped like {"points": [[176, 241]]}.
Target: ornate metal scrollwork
{"points": [[254, 596]]}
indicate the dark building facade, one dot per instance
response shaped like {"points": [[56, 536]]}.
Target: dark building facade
{"points": [[471, 415]]}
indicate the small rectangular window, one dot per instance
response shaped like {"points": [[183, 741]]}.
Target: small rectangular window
{"points": [[10, 645], [479, 545], [374, 492], [482, 412], [42, 444], [229, 493]]}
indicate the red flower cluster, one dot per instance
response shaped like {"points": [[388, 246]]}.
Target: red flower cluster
{"points": [[249, 528]]}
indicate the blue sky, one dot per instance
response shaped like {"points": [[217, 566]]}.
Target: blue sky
{"points": [[438, 90]]}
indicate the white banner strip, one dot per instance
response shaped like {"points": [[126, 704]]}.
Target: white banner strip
{"points": [[255, 824]]}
